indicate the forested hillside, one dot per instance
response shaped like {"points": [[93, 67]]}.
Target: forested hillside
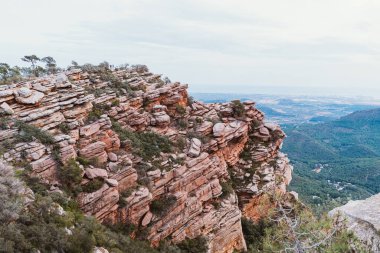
{"points": [[345, 152]]}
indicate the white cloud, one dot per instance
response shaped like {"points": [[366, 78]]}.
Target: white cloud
{"points": [[207, 43]]}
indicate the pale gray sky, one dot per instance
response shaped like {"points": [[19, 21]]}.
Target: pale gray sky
{"points": [[214, 45]]}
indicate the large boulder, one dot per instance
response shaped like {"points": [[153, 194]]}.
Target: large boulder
{"points": [[195, 147], [363, 218], [29, 97]]}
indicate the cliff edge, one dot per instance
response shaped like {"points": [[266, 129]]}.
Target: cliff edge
{"points": [[148, 154]]}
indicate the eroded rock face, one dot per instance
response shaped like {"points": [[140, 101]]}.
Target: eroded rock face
{"points": [[216, 146], [363, 218]]}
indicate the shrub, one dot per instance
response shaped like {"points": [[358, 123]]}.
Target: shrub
{"points": [[97, 111], [227, 189], [181, 143], [182, 124], [196, 245], [115, 102], [125, 194], [245, 154], [70, 176], [254, 233], [139, 68], [64, 128], [28, 132], [83, 161], [145, 144], [161, 206], [237, 108], [180, 109], [11, 201], [93, 185], [4, 122], [56, 153]]}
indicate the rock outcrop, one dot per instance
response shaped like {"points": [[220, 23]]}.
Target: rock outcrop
{"points": [[363, 218], [99, 116]]}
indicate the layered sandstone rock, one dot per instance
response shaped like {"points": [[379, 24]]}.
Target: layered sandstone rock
{"points": [[219, 146], [363, 218]]}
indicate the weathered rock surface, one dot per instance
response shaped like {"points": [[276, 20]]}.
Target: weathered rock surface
{"points": [[210, 143], [363, 218]]}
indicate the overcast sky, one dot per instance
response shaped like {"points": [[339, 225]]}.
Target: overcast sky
{"points": [[316, 46]]}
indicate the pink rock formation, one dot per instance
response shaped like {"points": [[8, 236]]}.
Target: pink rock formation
{"points": [[217, 146]]}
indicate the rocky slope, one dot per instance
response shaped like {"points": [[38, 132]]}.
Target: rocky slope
{"points": [[363, 218], [173, 167]]}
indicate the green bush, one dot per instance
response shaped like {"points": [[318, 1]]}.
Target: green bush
{"points": [[83, 161], [93, 185], [254, 233], [144, 144], [196, 245], [162, 205], [97, 111], [4, 122], [227, 189], [182, 124], [70, 176], [64, 128], [238, 108], [115, 102], [28, 132], [180, 109]]}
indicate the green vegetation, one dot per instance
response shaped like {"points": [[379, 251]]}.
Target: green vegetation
{"points": [[238, 108], [93, 185], [43, 226], [97, 111], [27, 133], [70, 176], [297, 230], [196, 245], [162, 205], [9, 74], [65, 129], [227, 189], [145, 144], [347, 151], [181, 110], [37, 70], [4, 122], [254, 233]]}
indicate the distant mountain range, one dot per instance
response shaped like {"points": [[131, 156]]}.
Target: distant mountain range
{"points": [[296, 109]]}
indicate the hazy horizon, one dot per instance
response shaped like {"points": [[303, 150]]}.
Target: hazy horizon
{"points": [[289, 91], [303, 46]]}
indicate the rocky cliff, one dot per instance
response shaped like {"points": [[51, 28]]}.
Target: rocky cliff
{"points": [[152, 157], [363, 218]]}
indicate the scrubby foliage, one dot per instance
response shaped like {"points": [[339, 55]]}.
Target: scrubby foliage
{"points": [[180, 109], [70, 175], [27, 133], [64, 128], [10, 190], [162, 205], [196, 245], [52, 222], [237, 108], [97, 111], [93, 185], [296, 229], [145, 144], [227, 189]]}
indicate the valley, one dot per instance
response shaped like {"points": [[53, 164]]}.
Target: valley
{"points": [[335, 157]]}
